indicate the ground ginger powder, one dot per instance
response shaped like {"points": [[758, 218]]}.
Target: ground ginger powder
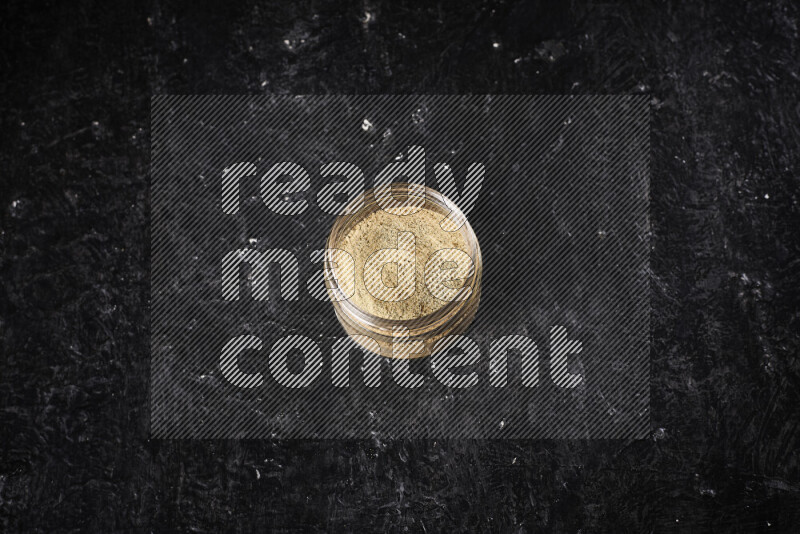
{"points": [[379, 230]]}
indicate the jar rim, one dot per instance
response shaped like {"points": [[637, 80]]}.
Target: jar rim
{"points": [[364, 205]]}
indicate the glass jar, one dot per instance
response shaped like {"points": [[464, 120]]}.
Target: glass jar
{"points": [[422, 332]]}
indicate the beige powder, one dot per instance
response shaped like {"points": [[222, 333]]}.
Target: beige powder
{"points": [[379, 230]]}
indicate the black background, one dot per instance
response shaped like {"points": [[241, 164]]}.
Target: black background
{"points": [[76, 84]]}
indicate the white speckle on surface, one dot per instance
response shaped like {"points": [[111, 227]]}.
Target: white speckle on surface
{"points": [[419, 115], [366, 125], [495, 45], [252, 240], [766, 196], [502, 424]]}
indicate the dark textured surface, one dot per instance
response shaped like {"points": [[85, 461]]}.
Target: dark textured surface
{"points": [[76, 83]]}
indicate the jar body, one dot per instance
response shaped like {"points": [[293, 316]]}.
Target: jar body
{"points": [[418, 335]]}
